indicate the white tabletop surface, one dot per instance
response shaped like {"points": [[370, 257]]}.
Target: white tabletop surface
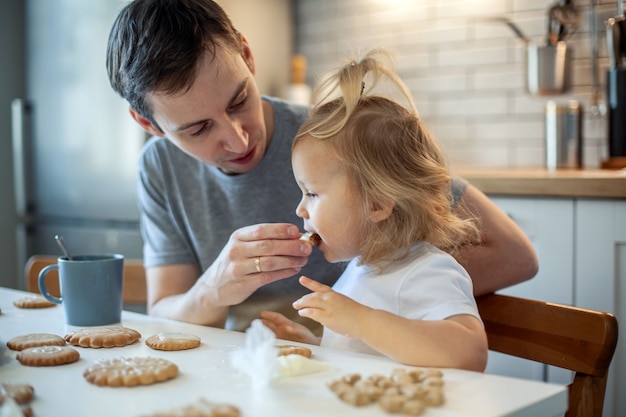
{"points": [[206, 372]]}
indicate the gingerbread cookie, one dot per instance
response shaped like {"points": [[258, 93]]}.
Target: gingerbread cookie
{"points": [[47, 356], [15, 399], [173, 341], [33, 301], [130, 372], [21, 393], [35, 339], [284, 350], [201, 408], [406, 391], [107, 337], [312, 238]]}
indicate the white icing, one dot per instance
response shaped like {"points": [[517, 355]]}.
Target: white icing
{"points": [[293, 365], [47, 349], [177, 336]]}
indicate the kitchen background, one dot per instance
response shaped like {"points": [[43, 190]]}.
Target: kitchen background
{"points": [[465, 70], [466, 73]]}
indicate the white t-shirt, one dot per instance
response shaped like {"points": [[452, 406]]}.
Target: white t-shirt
{"points": [[429, 285]]}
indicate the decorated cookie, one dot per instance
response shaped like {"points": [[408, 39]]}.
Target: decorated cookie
{"points": [[284, 350], [201, 408], [35, 339], [312, 238], [107, 337], [129, 372], [173, 341], [47, 356], [32, 301], [21, 393]]}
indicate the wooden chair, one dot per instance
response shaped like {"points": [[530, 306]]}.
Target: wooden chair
{"points": [[577, 339], [134, 278]]}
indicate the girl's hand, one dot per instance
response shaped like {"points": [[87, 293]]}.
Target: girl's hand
{"points": [[287, 329], [339, 313]]}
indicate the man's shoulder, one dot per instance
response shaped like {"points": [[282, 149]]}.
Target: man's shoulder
{"points": [[285, 110]]}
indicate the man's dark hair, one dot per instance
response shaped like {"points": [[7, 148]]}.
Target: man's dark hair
{"points": [[156, 45]]}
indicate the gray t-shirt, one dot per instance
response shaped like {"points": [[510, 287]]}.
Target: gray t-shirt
{"points": [[189, 210]]}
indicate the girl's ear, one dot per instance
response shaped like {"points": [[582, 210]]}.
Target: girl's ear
{"points": [[380, 210]]}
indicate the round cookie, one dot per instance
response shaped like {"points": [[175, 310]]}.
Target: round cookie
{"points": [[284, 350], [107, 337], [201, 408], [173, 341], [130, 372], [312, 238], [32, 301], [35, 339], [47, 356], [21, 393]]}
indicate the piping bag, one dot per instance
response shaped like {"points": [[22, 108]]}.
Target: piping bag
{"points": [[258, 358]]}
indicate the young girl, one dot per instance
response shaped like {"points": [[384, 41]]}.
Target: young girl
{"points": [[376, 189]]}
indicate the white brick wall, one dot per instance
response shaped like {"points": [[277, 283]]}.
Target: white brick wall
{"points": [[467, 75]]}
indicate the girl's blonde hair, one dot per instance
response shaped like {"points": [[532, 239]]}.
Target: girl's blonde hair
{"points": [[389, 155]]}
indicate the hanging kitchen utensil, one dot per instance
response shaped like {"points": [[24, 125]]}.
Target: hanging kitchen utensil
{"points": [[563, 20], [616, 90], [548, 66], [554, 30], [616, 41]]}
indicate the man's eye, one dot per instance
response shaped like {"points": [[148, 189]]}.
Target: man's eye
{"points": [[200, 131], [239, 104], [310, 195]]}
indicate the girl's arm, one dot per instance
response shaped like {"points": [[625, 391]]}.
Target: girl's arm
{"points": [[287, 329], [457, 342]]}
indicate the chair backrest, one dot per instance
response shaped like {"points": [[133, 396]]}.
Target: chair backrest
{"points": [[577, 339], [134, 278]]}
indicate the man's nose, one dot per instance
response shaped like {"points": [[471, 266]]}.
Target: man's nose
{"points": [[234, 138]]}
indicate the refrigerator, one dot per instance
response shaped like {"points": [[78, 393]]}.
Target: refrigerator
{"points": [[74, 145]]}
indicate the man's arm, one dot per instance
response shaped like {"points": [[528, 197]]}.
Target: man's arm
{"points": [[254, 256], [175, 292], [506, 255]]}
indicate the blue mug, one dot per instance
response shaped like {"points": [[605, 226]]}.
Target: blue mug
{"points": [[91, 288]]}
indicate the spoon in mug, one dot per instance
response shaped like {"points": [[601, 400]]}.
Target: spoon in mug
{"points": [[59, 240]]}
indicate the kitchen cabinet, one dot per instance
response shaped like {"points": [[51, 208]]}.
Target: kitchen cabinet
{"points": [[600, 279], [549, 224], [581, 245]]}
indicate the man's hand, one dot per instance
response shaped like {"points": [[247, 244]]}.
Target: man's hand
{"points": [[255, 256]]}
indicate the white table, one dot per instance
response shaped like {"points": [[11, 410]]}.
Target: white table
{"points": [[206, 372]]}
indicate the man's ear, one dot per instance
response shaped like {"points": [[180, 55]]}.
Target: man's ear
{"points": [[247, 54], [380, 210], [145, 123]]}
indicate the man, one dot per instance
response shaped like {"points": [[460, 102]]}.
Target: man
{"points": [[216, 189]]}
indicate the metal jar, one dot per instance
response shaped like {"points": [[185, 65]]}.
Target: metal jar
{"points": [[564, 135]]}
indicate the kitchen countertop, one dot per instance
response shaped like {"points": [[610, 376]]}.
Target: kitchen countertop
{"points": [[595, 183]]}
